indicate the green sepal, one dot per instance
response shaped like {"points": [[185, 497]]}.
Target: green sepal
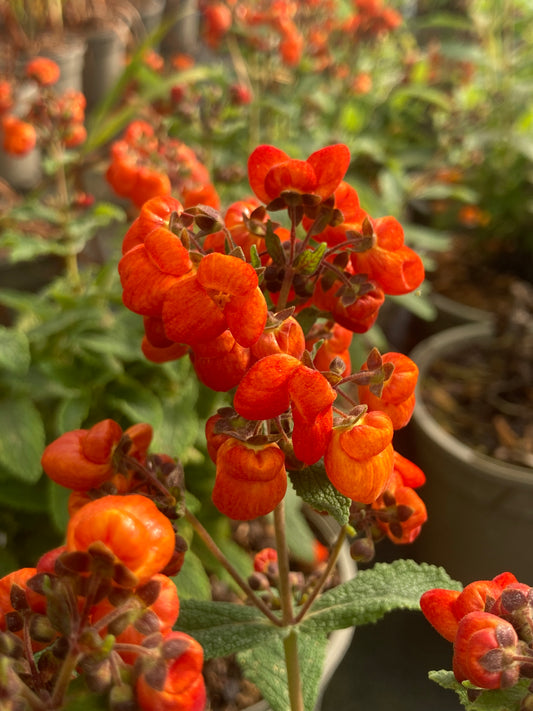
{"points": [[308, 261]]}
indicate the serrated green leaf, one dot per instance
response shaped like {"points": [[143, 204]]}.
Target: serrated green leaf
{"points": [[374, 592], [192, 581], [135, 401], [313, 486], [224, 628], [14, 351], [23, 439], [264, 666], [489, 700]]}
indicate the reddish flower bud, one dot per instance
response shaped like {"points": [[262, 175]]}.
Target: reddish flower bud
{"points": [[359, 459], [484, 651], [183, 688], [357, 316], [131, 526], [250, 479], [264, 559], [82, 459], [408, 514], [217, 21]]}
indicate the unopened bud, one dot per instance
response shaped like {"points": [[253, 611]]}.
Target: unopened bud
{"points": [[149, 592], [258, 581], [156, 674], [148, 623], [41, 629], [362, 550]]}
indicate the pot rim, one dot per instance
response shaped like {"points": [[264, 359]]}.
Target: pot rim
{"points": [[424, 354]]}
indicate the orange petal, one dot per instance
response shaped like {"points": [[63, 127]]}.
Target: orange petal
{"points": [[263, 392], [262, 159], [246, 317], [330, 165], [226, 274]]}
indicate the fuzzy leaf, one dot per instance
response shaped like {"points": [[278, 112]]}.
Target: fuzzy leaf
{"points": [[313, 486], [374, 592], [263, 665], [192, 580], [490, 700], [225, 628], [23, 439], [14, 351], [273, 245]]}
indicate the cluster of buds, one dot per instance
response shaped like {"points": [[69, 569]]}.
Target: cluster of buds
{"points": [[103, 605], [232, 291], [51, 120], [146, 164], [491, 626], [290, 28]]}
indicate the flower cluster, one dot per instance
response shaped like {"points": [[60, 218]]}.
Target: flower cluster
{"points": [[50, 120], [103, 604], [146, 164], [228, 289], [491, 626]]}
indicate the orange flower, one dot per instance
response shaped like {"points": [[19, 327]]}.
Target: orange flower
{"points": [[221, 363], [272, 174], [285, 337], [184, 687], [357, 316], [45, 71], [337, 340], [154, 213], [222, 294], [394, 266], [250, 479], [131, 526], [20, 137], [19, 578], [149, 270], [347, 201], [217, 21], [83, 459], [263, 392], [6, 96], [397, 397], [359, 458]]}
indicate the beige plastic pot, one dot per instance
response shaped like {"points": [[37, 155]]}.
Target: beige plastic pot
{"points": [[480, 509]]}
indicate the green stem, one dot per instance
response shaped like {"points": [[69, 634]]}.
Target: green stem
{"points": [[219, 555], [290, 642]]}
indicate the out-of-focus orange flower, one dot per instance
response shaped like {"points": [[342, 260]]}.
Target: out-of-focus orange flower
{"points": [[132, 528], [184, 687], [222, 294], [473, 216], [359, 458], [20, 137], [6, 96], [250, 480], [43, 70], [291, 46], [361, 83], [182, 61], [272, 172], [217, 21]]}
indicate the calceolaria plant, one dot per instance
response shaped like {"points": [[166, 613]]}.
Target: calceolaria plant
{"points": [[264, 301]]}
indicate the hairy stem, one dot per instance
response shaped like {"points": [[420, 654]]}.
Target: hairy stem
{"points": [[219, 555]]}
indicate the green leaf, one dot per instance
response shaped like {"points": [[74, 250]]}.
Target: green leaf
{"points": [[23, 439], [307, 262], [14, 351], [72, 411], [137, 402], [192, 580], [493, 700], [58, 497], [224, 628], [314, 487], [264, 666], [21, 496], [300, 538], [374, 592], [273, 245]]}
